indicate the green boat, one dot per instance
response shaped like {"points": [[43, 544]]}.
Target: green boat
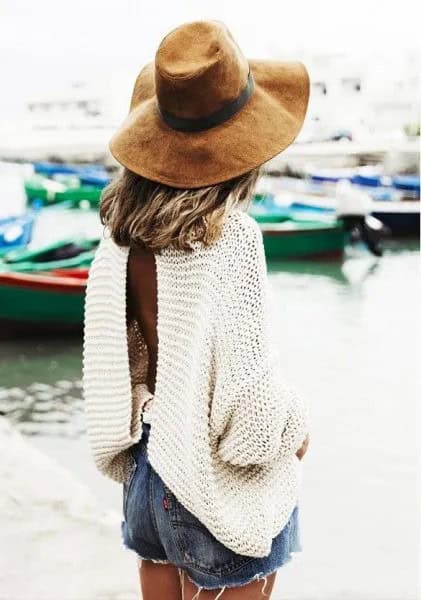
{"points": [[84, 195], [35, 303], [295, 238], [63, 254], [291, 233], [52, 191]]}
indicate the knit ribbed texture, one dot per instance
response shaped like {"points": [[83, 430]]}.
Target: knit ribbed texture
{"points": [[225, 424]]}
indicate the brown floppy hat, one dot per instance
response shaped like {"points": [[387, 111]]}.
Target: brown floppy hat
{"points": [[202, 113]]}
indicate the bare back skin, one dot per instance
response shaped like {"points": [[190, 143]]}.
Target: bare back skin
{"points": [[166, 581], [142, 303]]}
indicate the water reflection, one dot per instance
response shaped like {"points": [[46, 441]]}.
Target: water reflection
{"points": [[336, 322], [41, 386]]}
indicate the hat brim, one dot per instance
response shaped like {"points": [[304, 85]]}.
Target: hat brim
{"points": [[268, 123]]}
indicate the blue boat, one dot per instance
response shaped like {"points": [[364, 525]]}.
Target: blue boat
{"points": [[383, 194], [309, 207], [331, 175], [368, 178], [409, 183], [50, 169], [15, 232], [96, 178], [361, 178]]}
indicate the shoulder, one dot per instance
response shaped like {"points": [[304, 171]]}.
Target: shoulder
{"points": [[107, 246], [242, 230], [240, 218], [108, 263], [240, 250]]}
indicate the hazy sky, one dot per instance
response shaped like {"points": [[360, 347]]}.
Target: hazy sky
{"points": [[44, 42]]}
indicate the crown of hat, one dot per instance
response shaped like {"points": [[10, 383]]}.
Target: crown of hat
{"points": [[199, 68]]}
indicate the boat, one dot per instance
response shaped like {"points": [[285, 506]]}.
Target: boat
{"points": [[63, 254], [407, 182], [300, 232], [289, 233], [95, 178], [367, 180], [331, 175], [309, 206], [15, 232], [38, 187], [83, 195], [389, 188], [369, 177], [91, 175], [50, 191], [297, 238], [79, 272], [265, 209], [402, 217], [307, 187], [40, 303], [51, 168], [90, 178]]}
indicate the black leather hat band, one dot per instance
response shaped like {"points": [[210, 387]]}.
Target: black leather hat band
{"points": [[217, 118]]}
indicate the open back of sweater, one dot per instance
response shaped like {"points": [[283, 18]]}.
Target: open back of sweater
{"points": [[225, 423]]}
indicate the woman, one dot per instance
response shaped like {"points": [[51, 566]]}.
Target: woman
{"points": [[185, 403]]}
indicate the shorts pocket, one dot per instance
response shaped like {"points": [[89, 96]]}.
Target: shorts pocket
{"points": [[198, 546]]}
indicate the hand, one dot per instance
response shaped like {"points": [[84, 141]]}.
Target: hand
{"points": [[301, 451]]}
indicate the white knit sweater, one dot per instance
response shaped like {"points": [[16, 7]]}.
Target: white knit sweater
{"points": [[225, 424]]}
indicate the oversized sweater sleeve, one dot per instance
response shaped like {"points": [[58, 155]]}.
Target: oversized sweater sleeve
{"points": [[258, 415], [114, 363]]}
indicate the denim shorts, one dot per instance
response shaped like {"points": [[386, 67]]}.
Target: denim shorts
{"points": [[158, 527]]}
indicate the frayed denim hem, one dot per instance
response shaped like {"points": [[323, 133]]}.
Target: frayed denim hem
{"points": [[256, 577], [155, 560], [138, 556]]}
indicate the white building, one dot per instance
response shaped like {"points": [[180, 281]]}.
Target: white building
{"points": [[375, 94]]}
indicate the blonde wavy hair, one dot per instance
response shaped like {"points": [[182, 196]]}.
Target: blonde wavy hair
{"points": [[144, 213]]}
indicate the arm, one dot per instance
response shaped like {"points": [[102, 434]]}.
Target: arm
{"points": [[259, 418]]}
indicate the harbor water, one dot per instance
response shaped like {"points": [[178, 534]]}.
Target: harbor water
{"points": [[348, 336]]}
